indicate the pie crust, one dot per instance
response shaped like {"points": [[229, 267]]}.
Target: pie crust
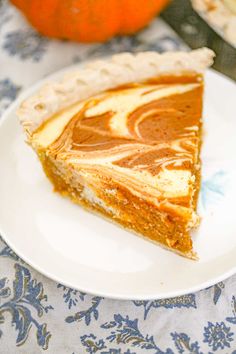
{"points": [[122, 137], [101, 75]]}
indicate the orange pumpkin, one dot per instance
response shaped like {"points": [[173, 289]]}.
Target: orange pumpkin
{"points": [[89, 20]]}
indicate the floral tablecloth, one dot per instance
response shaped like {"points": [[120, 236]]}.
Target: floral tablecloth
{"points": [[38, 315]]}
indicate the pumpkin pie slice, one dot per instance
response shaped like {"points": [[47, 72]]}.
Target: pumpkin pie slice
{"points": [[122, 137]]}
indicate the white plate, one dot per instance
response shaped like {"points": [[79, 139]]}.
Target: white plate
{"points": [[85, 252]]}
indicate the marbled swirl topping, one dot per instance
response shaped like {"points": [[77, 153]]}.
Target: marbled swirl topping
{"points": [[143, 135]]}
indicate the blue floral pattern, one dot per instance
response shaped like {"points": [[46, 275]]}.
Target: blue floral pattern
{"points": [[180, 301], [218, 335], [87, 315], [37, 314], [126, 331], [233, 318], [7, 252], [183, 344], [8, 92], [71, 296], [27, 293], [218, 288], [91, 343], [117, 351], [27, 44]]}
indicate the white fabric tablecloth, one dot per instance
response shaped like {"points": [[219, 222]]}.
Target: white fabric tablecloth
{"points": [[38, 315]]}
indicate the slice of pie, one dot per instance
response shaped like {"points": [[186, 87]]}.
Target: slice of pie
{"points": [[122, 137]]}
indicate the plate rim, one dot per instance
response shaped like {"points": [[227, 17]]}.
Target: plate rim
{"points": [[167, 295], [202, 285]]}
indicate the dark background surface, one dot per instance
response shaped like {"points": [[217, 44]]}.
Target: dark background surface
{"points": [[196, 33]]}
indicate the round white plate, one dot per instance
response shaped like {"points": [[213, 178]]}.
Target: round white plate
{"points": [[85, 252]]}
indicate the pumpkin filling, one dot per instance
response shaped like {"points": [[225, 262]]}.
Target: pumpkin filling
{"points": [[132, 154]]}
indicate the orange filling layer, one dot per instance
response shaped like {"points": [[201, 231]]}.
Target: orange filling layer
{"points": [[151, 130]]}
